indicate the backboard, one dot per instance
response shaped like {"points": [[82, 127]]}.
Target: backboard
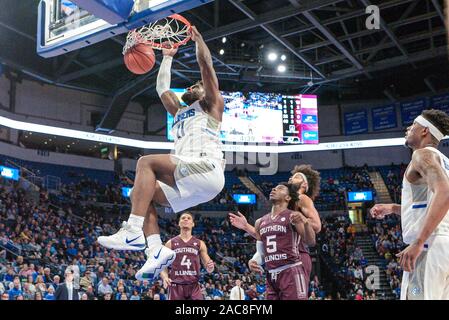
{"points": [[64, 26]]}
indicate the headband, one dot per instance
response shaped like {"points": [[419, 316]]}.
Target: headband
{"points": [[305, 180], [433, 130]]}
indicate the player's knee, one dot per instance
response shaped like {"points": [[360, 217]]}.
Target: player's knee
{"points": [[145, 162]]}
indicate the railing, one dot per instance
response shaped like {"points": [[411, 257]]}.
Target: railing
{"points": [[10, 251], [69, 213], [53, 183]]}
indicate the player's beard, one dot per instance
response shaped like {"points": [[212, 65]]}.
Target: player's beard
{"points": [[189, 97]]}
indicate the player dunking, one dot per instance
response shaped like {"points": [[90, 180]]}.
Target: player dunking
{"points": [[194, 174], [182, 280], [279, 234], [308, 182], [424, 211]]}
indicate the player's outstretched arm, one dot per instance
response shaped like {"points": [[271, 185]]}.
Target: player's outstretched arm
{"points": [[239, 221], [308, 209], [208, 264], [208, 75], [256, 262], [379, 211], [168, 97]]}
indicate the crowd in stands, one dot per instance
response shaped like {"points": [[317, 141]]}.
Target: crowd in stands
{"points": [[39, 244], [345, 259], [387, 238], [39, 241], [333, 187], [393, 180]]}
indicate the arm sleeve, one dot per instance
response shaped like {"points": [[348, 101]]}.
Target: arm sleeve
{"points": [[164, 76]]}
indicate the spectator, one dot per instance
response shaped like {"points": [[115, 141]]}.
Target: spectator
{"points": [[90, 293], [50, 294], [251, 293], [67, 291], [237, 293], [15, 290], [104, 287], [135, 295], [40, 285], [86, 281]]}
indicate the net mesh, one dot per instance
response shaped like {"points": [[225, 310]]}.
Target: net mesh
{"points": [[169, 32]]}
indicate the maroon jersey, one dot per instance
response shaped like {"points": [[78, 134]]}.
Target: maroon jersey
{"points": [[186, 267], [281, 241]]}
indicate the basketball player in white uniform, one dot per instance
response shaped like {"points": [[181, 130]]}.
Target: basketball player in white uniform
{"points": [[194, 174], [424, 211]]}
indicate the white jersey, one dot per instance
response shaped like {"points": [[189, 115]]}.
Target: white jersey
{"points": [[196, 133], [415, 203]]}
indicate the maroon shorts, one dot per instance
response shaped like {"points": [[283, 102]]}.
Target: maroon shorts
{"points": [[307, 263], [289, 284], [185, 292]]}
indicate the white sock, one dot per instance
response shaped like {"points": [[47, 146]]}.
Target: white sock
{"points": [[136, 221], [154, 240]]}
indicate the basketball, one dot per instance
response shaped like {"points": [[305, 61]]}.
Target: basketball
{"points": [[140, 58]]}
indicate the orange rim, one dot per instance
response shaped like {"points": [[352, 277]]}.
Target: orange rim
{"points": [[180, 18]]}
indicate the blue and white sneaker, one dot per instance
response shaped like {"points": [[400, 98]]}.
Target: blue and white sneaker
{"points": [[158, 258], [127, 238]]}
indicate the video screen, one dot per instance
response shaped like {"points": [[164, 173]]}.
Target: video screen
{"points": [[126, 192], [9, 173], [360, 196], [265, 118], [244, 198]]}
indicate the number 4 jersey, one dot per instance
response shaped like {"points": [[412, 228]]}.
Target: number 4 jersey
{"points": [[281, 241], [186, 267]]}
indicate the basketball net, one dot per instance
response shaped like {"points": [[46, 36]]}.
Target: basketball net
{"points": [[170, 32]]}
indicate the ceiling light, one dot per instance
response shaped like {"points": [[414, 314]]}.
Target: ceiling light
{"points": [[283, 57], [282, 68], [242, 44], [224, 39], [221, 52], [272, 56]]}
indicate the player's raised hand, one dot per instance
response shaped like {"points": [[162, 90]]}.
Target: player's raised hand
{"points": [[169, 51], [210, 266], [255, 267], [238, 220], [379, 211], [196, 35]]}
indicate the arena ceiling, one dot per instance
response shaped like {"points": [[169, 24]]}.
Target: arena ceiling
{"points": [[328, 50]]}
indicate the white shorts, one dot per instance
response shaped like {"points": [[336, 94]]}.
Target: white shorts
{"points": [[198, 180], [430, 278]]}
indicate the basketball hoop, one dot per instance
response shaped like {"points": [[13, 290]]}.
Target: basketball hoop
{"points": [[166, 33]]}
